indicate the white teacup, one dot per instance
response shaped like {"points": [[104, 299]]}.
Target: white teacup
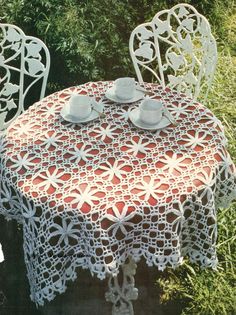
{"points": [[151, 111], [125, 87], [80, 106]]}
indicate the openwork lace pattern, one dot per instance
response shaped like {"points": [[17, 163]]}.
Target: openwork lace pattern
{"points": [[91, 195]]}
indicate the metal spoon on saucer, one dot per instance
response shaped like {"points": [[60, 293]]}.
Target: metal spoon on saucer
{"points": [[101, 114], [169, 116], [141, 89]]}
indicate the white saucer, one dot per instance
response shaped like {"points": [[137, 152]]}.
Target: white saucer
{"points": [[110, 94], [134, 117], [93, 115]]}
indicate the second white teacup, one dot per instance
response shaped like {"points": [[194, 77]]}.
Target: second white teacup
{"points": [[125, 88], [80, 106], [151, 111]]}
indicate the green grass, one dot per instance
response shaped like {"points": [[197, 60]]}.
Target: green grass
{"points": [[222, 98], [204, 291]]}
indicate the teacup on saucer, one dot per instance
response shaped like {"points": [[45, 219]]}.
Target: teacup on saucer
{"points": [[125, 88], [96, 112], [79, 106], [151, 111], [134, 116]]}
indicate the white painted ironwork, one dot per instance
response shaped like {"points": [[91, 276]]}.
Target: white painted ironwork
{"points": [[177, 47], [1, 254], [122, 295], [24, 61]]}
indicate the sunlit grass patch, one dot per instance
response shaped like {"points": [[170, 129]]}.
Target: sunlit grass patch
{"points": [[204, 291]]}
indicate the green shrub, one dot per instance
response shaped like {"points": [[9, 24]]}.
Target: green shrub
{"points": [[88, 40]]}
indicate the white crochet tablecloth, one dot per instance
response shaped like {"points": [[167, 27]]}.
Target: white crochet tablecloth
{"points": [[90, 195]]}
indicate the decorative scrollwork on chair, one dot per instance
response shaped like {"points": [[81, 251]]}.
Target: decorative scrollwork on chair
{"points": [[24, 61], [121, 295], [177, 47]]}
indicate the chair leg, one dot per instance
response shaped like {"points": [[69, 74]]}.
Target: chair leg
{"points": [[121, 295]]}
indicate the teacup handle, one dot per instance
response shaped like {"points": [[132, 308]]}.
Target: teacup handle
{"points": [[141, 89]]}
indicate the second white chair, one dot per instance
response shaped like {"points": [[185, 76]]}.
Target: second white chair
{"points": [[177, 48]]}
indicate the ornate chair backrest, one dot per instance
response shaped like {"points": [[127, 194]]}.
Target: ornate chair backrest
{"points": [[24, 63], [177, 47]]}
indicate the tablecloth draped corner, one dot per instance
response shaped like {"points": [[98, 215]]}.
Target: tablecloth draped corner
{"points": [[92, 195]]}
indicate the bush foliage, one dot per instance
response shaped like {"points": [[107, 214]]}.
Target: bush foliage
{"points": [[88, 40]]}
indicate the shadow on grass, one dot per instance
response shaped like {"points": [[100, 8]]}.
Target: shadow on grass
{"points": [[85, 296]]}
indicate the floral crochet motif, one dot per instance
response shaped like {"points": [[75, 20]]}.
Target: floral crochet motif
{"points": [[92, 195]]}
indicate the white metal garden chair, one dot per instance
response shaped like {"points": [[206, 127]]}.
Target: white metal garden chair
{"points": [[177, 47], [24, 64]]}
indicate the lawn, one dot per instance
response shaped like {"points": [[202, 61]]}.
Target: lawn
{"points": [[207, 292]]}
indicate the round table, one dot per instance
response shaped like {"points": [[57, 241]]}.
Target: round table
{"points": [[101, 195]]}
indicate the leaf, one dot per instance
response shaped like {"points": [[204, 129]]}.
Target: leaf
{"points": [[190, 268], [190, 279], [182, 12], [2, 119], [144, 51], [204, 28], [190, 78], [9, 89], [187, 295], [35, 66], [174, 80], [144, 33], [11, 104], [161, 26], [188, 23], [186, 44], [33, 49], [12, 35], [176, 60]]}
